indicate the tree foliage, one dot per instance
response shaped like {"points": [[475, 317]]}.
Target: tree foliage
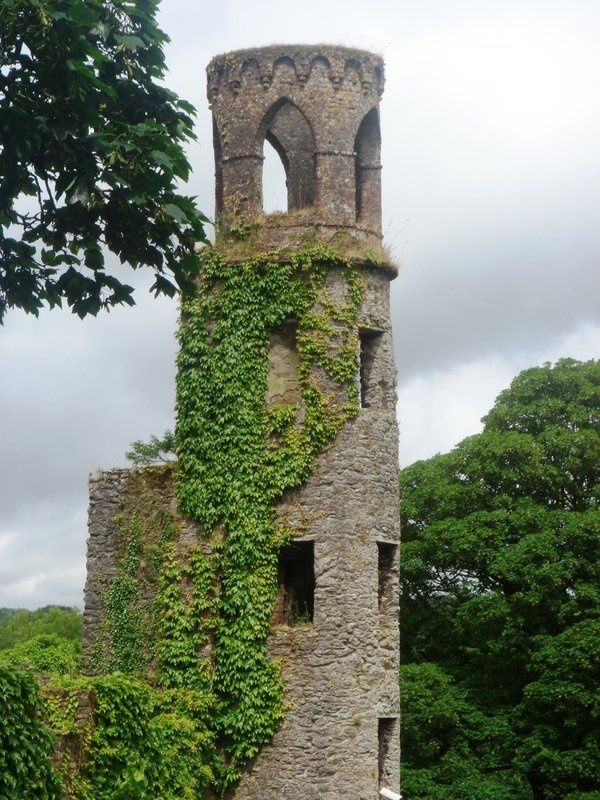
{"points": [[157, 449], [48, 653], [90, 155], [21, 625], [501, 584]]}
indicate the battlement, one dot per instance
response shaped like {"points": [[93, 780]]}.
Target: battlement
{"points": [[355, 69], [318, 106]]}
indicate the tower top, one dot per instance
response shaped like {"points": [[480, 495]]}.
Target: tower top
{"points": [[318, 105]]}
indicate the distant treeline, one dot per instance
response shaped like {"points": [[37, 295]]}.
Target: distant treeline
{"points": [[19, 625]]}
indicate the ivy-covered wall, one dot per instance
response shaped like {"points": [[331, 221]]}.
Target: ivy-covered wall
{"points": [[182, 567], [102, 738]]}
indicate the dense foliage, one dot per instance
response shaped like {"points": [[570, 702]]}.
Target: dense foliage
{"points": [[91, 149], [120, 739], [47, 653], [125, 740], [20, 625], [25, 744], [501, 599]]}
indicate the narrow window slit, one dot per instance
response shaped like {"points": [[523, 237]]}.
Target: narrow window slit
{"points": [[296, 593], [370, 339], [387, 569], [387, 731]]}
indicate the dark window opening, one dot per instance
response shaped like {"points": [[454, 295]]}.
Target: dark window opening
{"points": [[296, 595], [369, 344], [387, 566], [387, 730]]}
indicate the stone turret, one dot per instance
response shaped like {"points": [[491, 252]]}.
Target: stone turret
{"points": [[319, 108], [335, 629]]}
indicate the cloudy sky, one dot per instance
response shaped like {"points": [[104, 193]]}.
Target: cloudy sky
{"points": [[491, 153]]}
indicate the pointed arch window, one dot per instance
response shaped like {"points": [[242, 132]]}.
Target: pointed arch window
{"points": [[367, 160], [286, 129]]}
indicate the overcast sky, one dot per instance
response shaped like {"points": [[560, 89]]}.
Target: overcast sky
{"points": [[491, 181]]}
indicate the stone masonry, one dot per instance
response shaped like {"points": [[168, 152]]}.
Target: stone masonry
{"points": [[335, 628]]}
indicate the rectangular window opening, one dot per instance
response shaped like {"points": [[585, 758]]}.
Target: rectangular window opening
{"points": [[296, 594], [369, 344], [387, 732], [387, 564]]}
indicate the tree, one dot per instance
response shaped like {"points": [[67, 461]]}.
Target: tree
{"points": [[22, 625], [451, 749], [156, 450], [501, 576], [90, 153]]}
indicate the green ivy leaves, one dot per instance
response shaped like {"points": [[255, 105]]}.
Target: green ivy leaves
{"points": [[237, 457]]}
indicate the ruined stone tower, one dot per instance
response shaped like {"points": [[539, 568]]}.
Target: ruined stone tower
{"points": [[334, 625], [319, 108]]}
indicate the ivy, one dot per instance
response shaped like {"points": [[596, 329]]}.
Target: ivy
{"points": [[237, 456], [194, 617], [25, 745], [128, 740]]}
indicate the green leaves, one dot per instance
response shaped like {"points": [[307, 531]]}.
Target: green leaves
{"points": [[155, 450], [236, 457], [501, 569], [91, 135], [134, 741], [25, 745], [47, 653]]}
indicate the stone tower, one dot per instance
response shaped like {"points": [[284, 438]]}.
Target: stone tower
{"points": [[334, 626], [335, 630]]}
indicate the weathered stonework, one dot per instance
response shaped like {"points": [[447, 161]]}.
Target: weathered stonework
{"points": [[340, 738], [312, 104]]}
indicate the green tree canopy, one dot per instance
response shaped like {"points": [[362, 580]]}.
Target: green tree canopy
{"points": [[153, 451], [90, 155], [21, 625], [501, 578]]}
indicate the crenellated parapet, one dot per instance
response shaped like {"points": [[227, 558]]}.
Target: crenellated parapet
{"points": [[355, 69], [319, 108]]}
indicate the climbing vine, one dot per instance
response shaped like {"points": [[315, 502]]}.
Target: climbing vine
{"points": [[192, 613], [237, 456], [122, 739]]}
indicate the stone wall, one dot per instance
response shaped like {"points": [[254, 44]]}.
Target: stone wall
{"points": [[341, 671]]}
